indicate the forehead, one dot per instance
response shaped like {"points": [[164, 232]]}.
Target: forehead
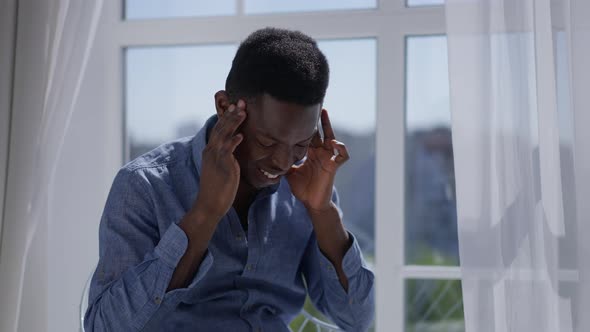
{"points": [[284, 121]]}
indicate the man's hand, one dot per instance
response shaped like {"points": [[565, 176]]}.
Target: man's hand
{"points": [[312, 184], [312, 181], [220, 171], [220, 177]]}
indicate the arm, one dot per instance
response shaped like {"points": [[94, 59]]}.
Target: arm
{"points": [[332, 239], [135, 264], [220, 175], [350, 304], [141, 277], [338, 281]]}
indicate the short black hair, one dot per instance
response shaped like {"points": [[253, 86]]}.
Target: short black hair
{"points": [[288, 65]]}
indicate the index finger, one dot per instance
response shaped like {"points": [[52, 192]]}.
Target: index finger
{"points": [[327, 127], [228, 123]]}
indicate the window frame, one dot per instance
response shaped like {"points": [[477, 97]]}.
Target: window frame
{"points": [[390, 23]]}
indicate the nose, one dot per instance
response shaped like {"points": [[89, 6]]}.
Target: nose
{"points": [[282, 159]]}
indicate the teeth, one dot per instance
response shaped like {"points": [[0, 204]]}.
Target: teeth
{"points": [[268, 175]]}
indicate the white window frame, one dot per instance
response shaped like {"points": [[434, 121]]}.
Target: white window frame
{"points": [[390, 23]]}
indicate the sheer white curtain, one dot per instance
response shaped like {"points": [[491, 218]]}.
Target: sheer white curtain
{"points": [[519, 79], [7, 29], [53, 42]]}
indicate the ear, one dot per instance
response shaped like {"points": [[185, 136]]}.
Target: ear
{"points": [[221, 102]]}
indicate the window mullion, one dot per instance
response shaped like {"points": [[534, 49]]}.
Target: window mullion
{"points": [[389, 196], [240, 7]]}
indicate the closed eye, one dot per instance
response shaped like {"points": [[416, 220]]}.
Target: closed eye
{"points": [[265, 144], [304, 144]]}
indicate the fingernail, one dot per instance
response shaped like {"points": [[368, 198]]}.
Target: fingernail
{"points": [[232, 108], [241, 103]]}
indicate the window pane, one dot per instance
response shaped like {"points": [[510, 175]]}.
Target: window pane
{"points": [[434, 305], [353, 119], [169, 91], [273, 6], [144, 9], [430, 206], [417, 3]]}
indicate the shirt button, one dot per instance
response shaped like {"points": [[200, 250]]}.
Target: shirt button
{"points": [[157, 300]]}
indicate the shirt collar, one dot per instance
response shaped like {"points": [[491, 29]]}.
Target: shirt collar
{"points": [[199, 143]]}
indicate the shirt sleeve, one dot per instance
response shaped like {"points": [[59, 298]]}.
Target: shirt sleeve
{"points": [[128, 288], [353, 310]]}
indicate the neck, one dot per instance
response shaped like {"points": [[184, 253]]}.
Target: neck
{"points": [[245, 195]]}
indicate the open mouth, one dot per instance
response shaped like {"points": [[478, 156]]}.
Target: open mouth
{"points": [[269, 175]]}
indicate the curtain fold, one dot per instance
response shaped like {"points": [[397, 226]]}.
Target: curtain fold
{"points": [[53, 44], [518, 74], [7, 36]]}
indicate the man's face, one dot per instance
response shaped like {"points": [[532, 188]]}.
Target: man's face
{"points": [[276, 135]]}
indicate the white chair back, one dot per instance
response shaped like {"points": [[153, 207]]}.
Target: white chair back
{"points": [[84, 303]]}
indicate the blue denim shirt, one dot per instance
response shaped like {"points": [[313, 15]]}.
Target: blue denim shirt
{"points": [[246, 282]]}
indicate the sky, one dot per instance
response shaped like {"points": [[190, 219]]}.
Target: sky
{"points": [[173, 86]]}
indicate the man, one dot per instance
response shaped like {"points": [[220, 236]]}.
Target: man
{"points": [[228, 230]]}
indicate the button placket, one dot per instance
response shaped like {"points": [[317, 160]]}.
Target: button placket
{"points": [[253, 244], [235, 227]]}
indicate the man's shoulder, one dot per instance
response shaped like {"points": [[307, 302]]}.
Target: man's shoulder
{"points": [[167, 154], [171, 159]]}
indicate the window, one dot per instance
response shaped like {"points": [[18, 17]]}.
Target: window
{"points": [[433, 305], [169, 91], [418, 3], [431, 240], [149, 9], [273, 7], [388, 99], [431, 218]]}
